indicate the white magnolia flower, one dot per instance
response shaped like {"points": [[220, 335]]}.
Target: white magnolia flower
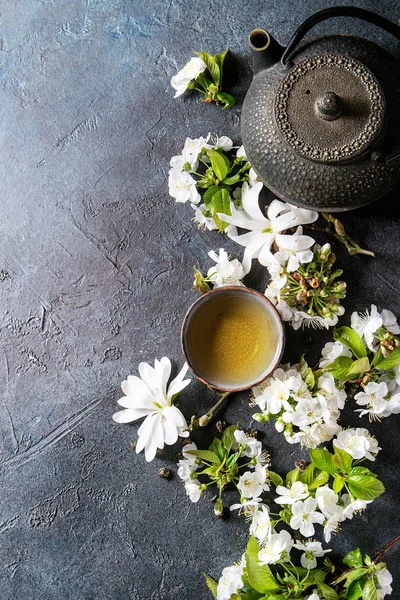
{"points": [[331, 351], [263, 230], [226, 271], [230, 582], [358, 443], [327, 501], [194, 489], [182, 186], [249, 445], [305, 515], [312, 551], [374, 397], [276, 548], [366, 324], [261, 524], [298, 491], [148, 396], [384, 580], [190, 71], [252, 484]]}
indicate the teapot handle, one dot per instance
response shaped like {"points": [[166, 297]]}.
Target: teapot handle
{"points": [[338, 11]]}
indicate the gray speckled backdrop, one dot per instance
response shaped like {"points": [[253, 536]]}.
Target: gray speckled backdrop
{"points": [[95, 276]]}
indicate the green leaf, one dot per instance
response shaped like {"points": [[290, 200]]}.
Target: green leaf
{"points": [[209, 194], [231, 180], [369, 591], [232, 460], [211, 584], [353, 558], [321, 479], [220, 203], [309, 474], [342, 460], [220, 59], [391, 361], [228, 437], [340, 367], [308, 378], [323, 460], [363, 471], [378, 357], [206, 455], [212, 66], [327, 592], [293, 476], [219, 162], [351, 339], [275, 478], [338, 484], [253, 547], [351, 576], [260, 577], [227, 99], [361, 365], [365, 487], [355, 590]]}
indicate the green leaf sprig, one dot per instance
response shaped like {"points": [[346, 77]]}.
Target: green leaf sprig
{"points": [[209, 83]]}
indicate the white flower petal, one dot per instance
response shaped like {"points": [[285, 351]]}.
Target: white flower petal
{"points": [[129, 415], [250, 201]]}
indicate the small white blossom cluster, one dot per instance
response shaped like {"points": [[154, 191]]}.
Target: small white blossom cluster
{"points": [[303, 294], [187, 468], [326, 508], [305, 412], [188, 73], [226, 271], [182, 185], [359, 443], [379, 398]]}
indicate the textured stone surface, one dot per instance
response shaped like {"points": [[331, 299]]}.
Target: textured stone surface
{"points": [[95, 276]]}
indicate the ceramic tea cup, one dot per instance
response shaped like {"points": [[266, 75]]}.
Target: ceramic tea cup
{"points": [[232, 338]]}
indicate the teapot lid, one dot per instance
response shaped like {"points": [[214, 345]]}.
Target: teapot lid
{"points": [[329, 108]]}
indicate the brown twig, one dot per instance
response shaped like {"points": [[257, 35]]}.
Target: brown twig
{"points": [[377, 557]]}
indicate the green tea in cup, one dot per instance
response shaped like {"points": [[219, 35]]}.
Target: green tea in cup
{"points": [[232, 338]]}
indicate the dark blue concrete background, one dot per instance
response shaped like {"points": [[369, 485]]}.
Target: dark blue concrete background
{"points": [[95, 276]]}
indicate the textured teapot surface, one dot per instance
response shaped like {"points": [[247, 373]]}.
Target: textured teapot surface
{"points": [[315, 131]]}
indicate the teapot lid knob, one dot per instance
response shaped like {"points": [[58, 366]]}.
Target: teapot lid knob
{"points": [[328, 106]]}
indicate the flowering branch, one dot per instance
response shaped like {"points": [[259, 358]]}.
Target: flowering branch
{"points": [[205, 419], [336, 229]]}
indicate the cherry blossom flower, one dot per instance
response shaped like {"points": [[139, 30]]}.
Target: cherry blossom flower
{"points": [[226, 271], [327, 501], [331, 351], [366, 324], [277, 547], [374, 397], [251, 485], [261, 524], [384, 579], [298, 491], [312, 551], [305, 515], [358, 443], [182, 187], [230, 581], [194, 489], [148, 396], [332, 525], [190, 71], [352, 506], [250, 447], [247, 506]]}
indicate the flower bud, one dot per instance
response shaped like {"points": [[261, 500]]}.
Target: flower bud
{"points": [[261, 418], [325, 252], [199, 282], [219, 509]]}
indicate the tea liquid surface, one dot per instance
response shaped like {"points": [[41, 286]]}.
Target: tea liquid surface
{"points": [[232, 340]]}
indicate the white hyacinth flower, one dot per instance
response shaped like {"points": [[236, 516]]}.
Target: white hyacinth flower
{"points": [[263, 230], [226, 271], [148, 396], [190, 71], [312, 551], [305, 515]]}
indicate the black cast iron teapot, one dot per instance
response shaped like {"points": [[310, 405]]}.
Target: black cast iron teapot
{"points": [[321, 120]]}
